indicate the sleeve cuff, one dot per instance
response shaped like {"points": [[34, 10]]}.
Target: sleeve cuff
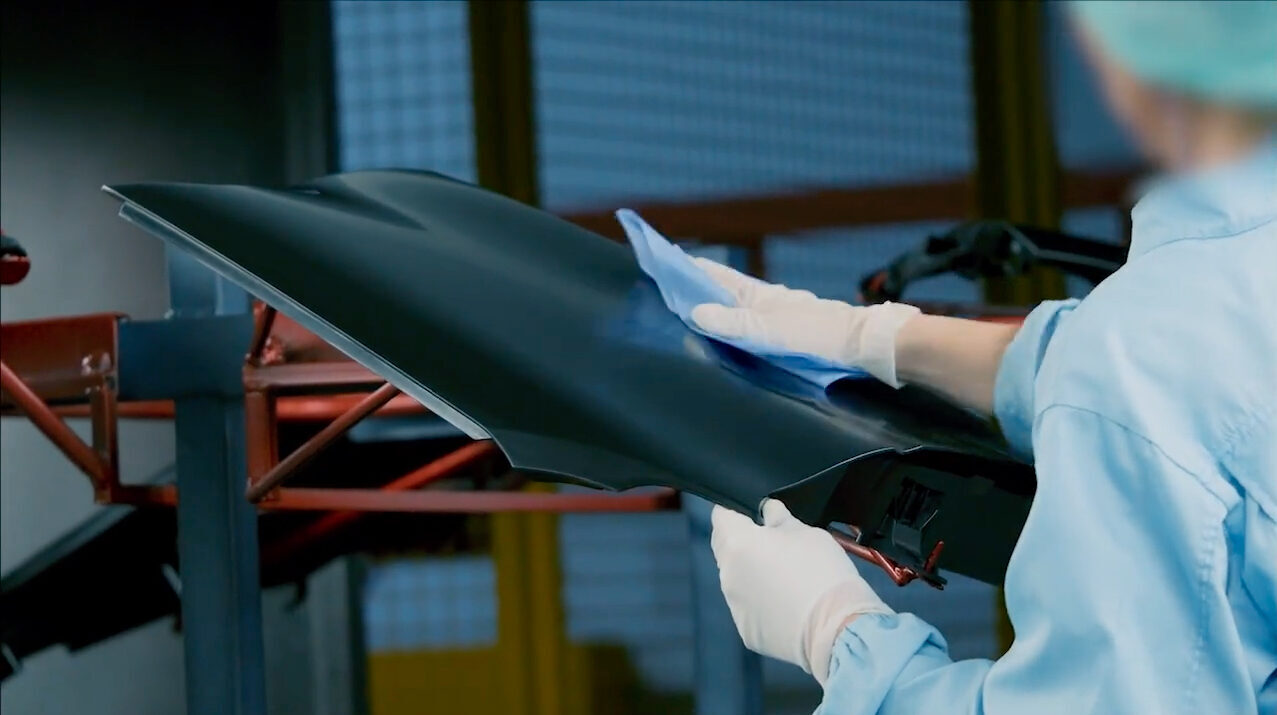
{"points": [[869, 656], [1017, 372]]}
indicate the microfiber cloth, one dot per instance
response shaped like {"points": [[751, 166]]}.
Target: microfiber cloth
{"points": [[684, 286]]}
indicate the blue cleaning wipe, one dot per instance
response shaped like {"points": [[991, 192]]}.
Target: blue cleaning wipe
{"points": [[683, 286]]}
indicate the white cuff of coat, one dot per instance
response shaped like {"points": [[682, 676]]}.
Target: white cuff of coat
{"points": [[878, 340]]}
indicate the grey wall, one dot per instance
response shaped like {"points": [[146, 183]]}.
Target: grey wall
{"points": [[93, 94]]}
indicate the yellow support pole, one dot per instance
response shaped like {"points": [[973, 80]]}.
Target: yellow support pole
{"points": [[501, 89], [1018, 170], [532, 642]]}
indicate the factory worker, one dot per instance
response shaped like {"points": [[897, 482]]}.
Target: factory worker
{"points": [[1145, 580]]}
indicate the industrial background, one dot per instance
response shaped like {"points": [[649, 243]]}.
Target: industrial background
{"points": [[807, 142]]}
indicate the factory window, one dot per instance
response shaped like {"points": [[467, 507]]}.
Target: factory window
{"points": [[686, 100], [403, 86], [409, 605]]}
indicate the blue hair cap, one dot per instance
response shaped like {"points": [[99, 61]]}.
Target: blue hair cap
{"points": [[1216, 50]]}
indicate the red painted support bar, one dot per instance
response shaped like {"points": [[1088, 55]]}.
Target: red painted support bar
{"points": [[471, 502], [42, 416], [313, 446]]}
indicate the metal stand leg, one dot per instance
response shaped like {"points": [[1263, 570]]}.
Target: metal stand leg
{"points": [[729, 678], [216, 525], [217, 549], [338, 660]]}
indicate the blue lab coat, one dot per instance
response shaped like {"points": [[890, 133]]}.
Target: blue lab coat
{"points": [[1145, 580]]}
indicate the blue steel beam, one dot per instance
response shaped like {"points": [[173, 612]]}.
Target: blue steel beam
{"points": [[217, 527], [183, 357]]}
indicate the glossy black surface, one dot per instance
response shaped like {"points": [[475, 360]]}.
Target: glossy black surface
{"points": [[517, 325]]}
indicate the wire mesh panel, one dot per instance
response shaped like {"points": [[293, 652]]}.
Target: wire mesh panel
{"points": [[626, 581], [692, 99], [403, 86], [431, 604]]}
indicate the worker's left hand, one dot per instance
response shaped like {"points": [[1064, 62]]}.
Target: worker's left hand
{"points": [[790, 587]]}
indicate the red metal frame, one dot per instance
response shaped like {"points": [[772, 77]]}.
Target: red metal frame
{"points": [[263, 321], [266, 472], [744, 220], [72, 363], [416, 479], [64, 360], [901, 575], [81, 455], [259, 486], [74, 359], [475, 502], [288, 408]]}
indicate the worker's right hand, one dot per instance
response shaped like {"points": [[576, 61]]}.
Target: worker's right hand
{"points": [[797, 321]]}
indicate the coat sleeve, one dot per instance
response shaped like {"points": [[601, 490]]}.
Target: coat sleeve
{"points": [[1116, 591], [1013, 387]]}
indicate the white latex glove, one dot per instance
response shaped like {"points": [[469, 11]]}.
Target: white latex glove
{"points": [[798, 321], [790, 587]]}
